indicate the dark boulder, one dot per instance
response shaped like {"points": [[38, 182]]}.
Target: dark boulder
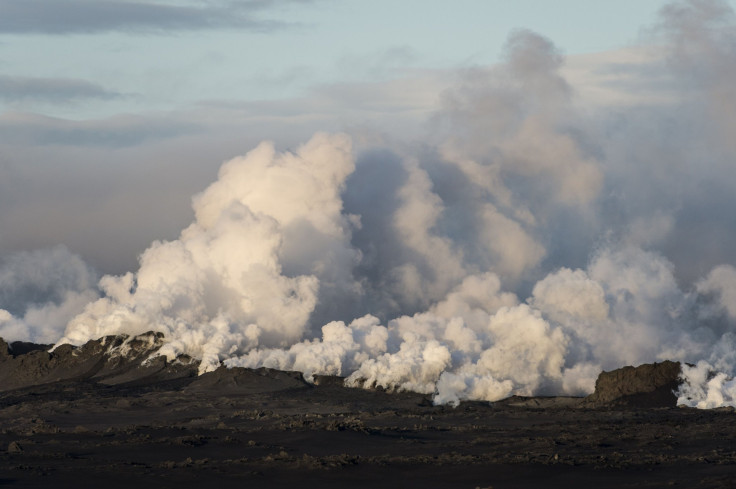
{"points": [[237, 380], [648, 385], [329, 380]]}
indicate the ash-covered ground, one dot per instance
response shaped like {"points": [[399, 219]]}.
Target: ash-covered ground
{"points": [[108, 415]]}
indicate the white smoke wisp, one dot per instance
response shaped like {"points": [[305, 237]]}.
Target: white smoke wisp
{"points": [[711, 381], [527, 245], [40, 291]]}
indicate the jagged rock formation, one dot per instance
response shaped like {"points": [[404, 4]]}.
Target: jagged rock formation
{"points": [[124, 360], [116, 360], [110, 360], [648, 385]]}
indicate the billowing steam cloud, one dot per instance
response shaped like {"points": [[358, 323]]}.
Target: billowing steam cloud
{"points": [[529, 246], [268, 236]]}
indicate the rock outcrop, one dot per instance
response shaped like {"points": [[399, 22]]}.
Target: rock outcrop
{"points": [[239, 380], [648, 385], [110, 360]]}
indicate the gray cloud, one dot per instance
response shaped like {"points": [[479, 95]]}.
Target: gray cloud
{"points": [[57, 90], [106, 188], [92, 16], [119, 131], [41, 276]]}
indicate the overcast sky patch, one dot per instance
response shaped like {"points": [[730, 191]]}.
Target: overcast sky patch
{"points": [[119, 131], [94, 16], [57, 90]]}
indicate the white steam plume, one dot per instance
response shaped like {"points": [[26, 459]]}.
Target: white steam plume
{"points": [[529, 245], [222, 287]]}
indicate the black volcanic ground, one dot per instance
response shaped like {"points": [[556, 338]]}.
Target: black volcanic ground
{"points": [[101, 415]]}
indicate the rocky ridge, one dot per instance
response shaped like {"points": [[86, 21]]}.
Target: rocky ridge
{"points": [[117, 360], [110, 360]]}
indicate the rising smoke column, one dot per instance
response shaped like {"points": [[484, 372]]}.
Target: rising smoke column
{"points": [[527, 246], [221, 288]]}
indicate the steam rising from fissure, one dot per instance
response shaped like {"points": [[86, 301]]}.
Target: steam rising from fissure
{"points": [[530, 245]]}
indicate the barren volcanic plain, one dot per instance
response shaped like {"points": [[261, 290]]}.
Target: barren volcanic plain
{"points": [[101, 415]]}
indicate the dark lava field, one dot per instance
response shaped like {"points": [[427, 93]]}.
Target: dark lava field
{"points": [[101, 416]]}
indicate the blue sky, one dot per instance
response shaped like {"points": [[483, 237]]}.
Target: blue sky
{"points": [[82, 59]]}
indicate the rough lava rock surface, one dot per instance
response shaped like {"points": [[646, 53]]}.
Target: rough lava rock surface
{"points": [[114, 360], [110, 360], [648, 385], [118, 414]]}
